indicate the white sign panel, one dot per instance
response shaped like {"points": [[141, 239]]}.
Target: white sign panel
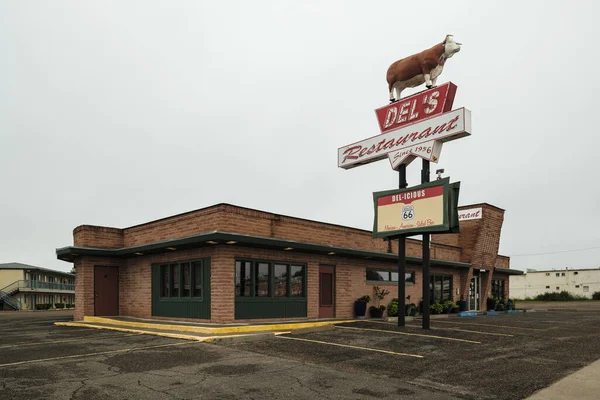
{"points": [[469, 214], [422, 139]]}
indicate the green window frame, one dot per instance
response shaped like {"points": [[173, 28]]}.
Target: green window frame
{"points": [[498, 288], [262, 279], [388, 275], [440, 287], [181, 280]]}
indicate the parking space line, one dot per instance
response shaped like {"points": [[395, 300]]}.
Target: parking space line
{"points": [[67, 340], [411, 334], [490, 325], [447, 329], [44, 332], [92, 354], [351, 347]]}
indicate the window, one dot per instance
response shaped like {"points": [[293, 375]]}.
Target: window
{"points": [[261, 272], [269, 280], [388, 276], [577, 286], [586, 288], [243, 278], [558, 288], [176, 279], [498, 288], [297, 280], [281, 276], [547, 287], [547, 273], [562, 274], [575, 273], [440, 288], [558, 274]]}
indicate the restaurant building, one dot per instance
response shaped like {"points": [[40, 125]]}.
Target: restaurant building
{"points": [[227, 264]]}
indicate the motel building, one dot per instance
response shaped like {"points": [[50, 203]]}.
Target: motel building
{"points": [[27, 287], [227, 264], [582, 282]]}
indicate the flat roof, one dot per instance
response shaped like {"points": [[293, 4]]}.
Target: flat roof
{"points": [[228, 238], [18, 266], [508, 271]]}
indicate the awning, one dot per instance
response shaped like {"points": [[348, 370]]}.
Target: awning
{"points": [[235, 239]]}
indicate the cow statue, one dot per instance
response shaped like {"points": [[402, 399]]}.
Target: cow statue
{"points": [[424, 67]]}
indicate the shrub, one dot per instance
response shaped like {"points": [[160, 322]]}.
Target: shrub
{"points": [[59, 305], [393, 308], [436, 308], [70, 305], [558, 296], [364, 299], [596, 296]]}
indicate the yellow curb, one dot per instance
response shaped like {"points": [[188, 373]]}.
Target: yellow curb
{"points": [[207, 339], [202, 329]]}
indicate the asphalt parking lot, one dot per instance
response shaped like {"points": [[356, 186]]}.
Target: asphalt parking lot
{"points": [[495, 357]]}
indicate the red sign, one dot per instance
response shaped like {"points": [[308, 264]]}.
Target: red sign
{"points": [[417, 107]]}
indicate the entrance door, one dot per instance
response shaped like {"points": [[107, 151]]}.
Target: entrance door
{"points": [[474, 289], [326, 291], [106, 291]]}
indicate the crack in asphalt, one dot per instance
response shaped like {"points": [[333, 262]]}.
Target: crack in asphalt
{"points": [[306, 387], [158, 391], [77, 390]]}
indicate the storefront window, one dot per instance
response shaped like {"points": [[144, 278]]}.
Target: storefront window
{"points": [[264, 286], [262, 279], [243, 278], [185, 272], [197, 279], [388, 276], [498, 288], [440, 288]]}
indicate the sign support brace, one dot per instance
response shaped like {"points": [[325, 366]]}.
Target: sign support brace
{"points": [[402, 259], [425, 176]]}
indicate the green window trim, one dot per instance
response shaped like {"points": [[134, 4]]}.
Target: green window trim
{"points": [[177, 268], [274, 292], [377, 275]]}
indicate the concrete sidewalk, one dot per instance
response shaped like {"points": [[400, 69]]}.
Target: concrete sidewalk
{"points": [[582, 385]]}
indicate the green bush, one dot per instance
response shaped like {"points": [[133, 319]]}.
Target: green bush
{"points": [[596, 296], [436, 308], [59, 305], [558, 296], [393, 308], [43, 306]]}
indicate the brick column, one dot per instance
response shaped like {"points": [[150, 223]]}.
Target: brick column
{"points": [[84, 288], [222, 285]]}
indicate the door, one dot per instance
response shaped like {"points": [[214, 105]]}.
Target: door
{"points": [[326, 291], [106, 291], [474, 289]]}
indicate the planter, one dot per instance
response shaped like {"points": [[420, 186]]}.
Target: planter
{"points": [[462, 305], [360, 309], [491, 305], [375, 312], [413, 311]]}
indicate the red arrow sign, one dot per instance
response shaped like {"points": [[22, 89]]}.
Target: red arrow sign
{"points": [[416, 107]]}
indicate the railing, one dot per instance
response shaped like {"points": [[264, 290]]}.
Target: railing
{"points": [[38, 285], [11, 301]]}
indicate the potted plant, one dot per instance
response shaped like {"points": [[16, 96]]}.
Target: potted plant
{"points": [[462, 304], [376, 312], [436, 308], [392, 308], [500, 306], [380, 294], [360, 306], [413, 309], [491, 303], [510, 305]]}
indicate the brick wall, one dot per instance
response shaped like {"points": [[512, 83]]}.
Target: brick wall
{"points": [[477, 243]]}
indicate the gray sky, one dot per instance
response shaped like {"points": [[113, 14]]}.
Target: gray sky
{"points": [[117, 113]]}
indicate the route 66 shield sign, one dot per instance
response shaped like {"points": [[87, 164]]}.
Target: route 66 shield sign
{"points": [[408, 213]]}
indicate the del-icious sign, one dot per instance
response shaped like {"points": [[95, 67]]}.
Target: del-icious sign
{"points": [[423, 208]]}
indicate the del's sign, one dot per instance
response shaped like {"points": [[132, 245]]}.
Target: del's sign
{"points": [[415, 126], [421, 139]]}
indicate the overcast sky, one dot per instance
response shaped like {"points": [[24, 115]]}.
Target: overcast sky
{"points": [[116, 113]]}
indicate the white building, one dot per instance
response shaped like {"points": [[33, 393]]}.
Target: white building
{"points": [[580, 282]]}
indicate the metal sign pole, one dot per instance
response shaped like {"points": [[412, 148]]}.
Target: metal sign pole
{"points": [[426, 255], [402, 259]]}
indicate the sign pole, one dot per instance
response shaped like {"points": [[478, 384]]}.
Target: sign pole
{"points": [[402, 259], [426, 255]]}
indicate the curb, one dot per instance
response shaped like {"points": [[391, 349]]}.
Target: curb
{"points": [[313, 329], [207, 330]]}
